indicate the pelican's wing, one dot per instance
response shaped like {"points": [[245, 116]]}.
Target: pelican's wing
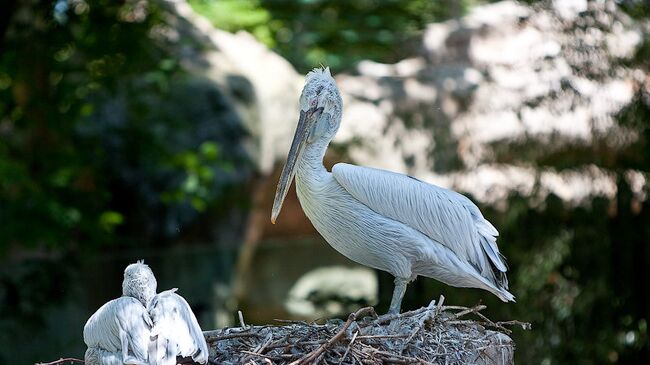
{"points": [[443, 215], [120, 322], [178, 326]]}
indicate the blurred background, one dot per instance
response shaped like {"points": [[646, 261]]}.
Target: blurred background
{"points": [[155, 130]]}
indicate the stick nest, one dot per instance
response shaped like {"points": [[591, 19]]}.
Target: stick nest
{"points": [[436, 334]]}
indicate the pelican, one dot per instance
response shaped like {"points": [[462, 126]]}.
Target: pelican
{"points": [[139, 327], [381, 219]]}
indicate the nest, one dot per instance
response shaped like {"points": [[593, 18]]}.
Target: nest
{"points": [[436, 334]]}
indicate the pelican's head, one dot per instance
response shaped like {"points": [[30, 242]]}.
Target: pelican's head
{"points": [[139, 282], [320, 106], [320, 116]]}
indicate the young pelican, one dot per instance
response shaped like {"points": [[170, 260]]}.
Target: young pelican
{"points": [[382, 219], [143, 327]]}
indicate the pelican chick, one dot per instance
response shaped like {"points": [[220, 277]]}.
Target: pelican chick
{"points": [[119, 332], [381, 219], [139, 327]]}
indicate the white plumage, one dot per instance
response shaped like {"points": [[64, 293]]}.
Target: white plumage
{"points": [[383, 219], [140, 327], [118, 333], [177, 330]]}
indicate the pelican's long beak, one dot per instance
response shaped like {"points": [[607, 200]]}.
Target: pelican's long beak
{"points": [[307, 120]]}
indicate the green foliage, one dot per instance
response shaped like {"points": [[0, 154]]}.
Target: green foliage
{"points": [[51, 186], [331, 32], [196, 187], [639, 9], [104, 140], [233, 15], [99, 119]]}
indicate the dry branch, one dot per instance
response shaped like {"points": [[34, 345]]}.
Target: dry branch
{"points": [[70, 360]]}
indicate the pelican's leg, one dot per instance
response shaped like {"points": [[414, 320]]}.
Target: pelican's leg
{"points": [[398, 294]]}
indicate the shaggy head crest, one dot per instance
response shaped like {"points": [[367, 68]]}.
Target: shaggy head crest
{"points": [[319, 74], [320, 91], [139, 282]]}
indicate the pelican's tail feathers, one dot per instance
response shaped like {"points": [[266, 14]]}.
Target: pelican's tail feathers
{"points": [[497, 286], [504, 295], [489, 245]]}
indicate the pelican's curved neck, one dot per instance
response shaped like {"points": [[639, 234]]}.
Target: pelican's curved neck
{"points": [[311, 161]]}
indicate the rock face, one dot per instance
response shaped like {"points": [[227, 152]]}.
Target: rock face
{"points": [[505, 81], [500, 81], [262, 86]]}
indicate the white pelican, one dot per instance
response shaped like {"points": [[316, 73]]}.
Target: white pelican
{"points": [[139, 327], [382, 219]]}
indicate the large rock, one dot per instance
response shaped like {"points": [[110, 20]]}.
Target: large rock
{"points": [[262, 85], [503, 82]]}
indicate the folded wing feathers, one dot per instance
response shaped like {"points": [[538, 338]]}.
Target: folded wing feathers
{"points": [[443, 215], [201, 353], [185, 324], [488, 238], [122, 314]]}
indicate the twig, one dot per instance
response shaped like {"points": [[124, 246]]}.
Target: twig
{"points": [[490, 323], [241, 320], [524, 325], [210, 336], [293, 321], [392, 357], [474, 309], [389, 317], [432, 311], [310, 357], [453, 307], [312, 343], [61, 361], [276, 358], [266, 342], [472, 349], [379, 337], [348, 348]]}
